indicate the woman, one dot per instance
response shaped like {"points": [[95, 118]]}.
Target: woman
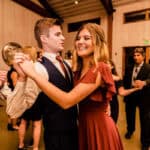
{"points": [[8, 52], [93, 89], [114, 105], [32, 114], [12, 77]]}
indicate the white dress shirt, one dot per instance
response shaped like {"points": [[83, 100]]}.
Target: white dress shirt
{"points": [[135, 72]]}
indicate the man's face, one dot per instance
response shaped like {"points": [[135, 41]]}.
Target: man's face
{"points": [[55, 41], [138, 58]]}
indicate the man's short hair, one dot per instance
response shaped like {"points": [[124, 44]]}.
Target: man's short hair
{"points": [[9, 50], [42, 27], [139, 50]]}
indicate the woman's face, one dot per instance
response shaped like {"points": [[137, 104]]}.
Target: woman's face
{"points": [[83, 44]]}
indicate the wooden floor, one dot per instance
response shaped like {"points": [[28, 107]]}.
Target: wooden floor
{"points": [[134, 142], [9, 139]]}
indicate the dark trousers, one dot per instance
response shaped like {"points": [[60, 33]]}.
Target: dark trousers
{"points": [[114, 108], [130, 107], [145, 127], [61, 140]]}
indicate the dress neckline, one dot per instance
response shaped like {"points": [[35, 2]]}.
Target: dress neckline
{"points": [[81, 77]]}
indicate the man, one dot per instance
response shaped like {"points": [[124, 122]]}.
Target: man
{"points": [[138, 76], [60, 126]]}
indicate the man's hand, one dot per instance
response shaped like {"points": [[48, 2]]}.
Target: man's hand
{"points": [[139, 84]]}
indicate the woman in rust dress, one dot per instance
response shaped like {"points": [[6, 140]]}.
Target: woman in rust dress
{"points": [[97, 130], [94, 88]]}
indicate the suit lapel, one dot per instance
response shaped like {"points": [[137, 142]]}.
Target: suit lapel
{"points": [[131, 72], [140, 72]]}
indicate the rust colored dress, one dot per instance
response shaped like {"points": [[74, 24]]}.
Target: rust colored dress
{"points": [[97, 130]]}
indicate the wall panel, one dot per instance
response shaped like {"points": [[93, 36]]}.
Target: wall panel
{"points": [[16, 24]]}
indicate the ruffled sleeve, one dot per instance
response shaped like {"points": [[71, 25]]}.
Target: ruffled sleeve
{"points": [[107, 89]]}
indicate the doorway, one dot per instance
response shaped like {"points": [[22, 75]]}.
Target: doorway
{"points": [[128, 56]]}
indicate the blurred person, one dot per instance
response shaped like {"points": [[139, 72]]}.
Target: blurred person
{"points": [[39, 55], [32, 114], [8, 52], [114, 104], [3, 75], [138, 75], [94, 88], [60, 126], [68, 57], [2, 78]]}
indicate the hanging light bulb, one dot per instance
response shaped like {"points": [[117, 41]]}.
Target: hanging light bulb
{"points": [[76, 2]]}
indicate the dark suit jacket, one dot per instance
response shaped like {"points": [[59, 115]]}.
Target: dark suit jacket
{"points": [[142, 96]]}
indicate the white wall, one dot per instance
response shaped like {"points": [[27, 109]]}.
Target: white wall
{"points": [[71, 36], [129, 34], [16, 24]]}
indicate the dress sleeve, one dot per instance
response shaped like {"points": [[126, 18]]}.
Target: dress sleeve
{"points": [[107, 90]]}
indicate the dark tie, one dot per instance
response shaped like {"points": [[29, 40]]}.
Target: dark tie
{"points": [[135, 73], [59, 58]]}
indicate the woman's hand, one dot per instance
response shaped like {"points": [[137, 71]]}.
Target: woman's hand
{"points": [[25, 64], [16, 66], [139, 84]]}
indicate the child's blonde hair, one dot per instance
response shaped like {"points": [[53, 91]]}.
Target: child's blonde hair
{"points": [[31, 51], [9, 50]]}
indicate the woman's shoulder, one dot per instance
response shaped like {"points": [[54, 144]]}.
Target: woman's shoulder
{"points": [[103, 68], [103, 65]]}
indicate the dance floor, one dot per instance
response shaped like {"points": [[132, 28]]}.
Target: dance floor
{"points": [[9, 139]]}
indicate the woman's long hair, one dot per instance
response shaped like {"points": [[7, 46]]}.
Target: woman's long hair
{"points": [[100, 53]]}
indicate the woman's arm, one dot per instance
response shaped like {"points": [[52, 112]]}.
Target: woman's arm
{"points": [[64, 99], [121, 90], [124, 92]]}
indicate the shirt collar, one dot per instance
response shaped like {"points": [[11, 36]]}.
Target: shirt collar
{"points": [[140, 65], [51, 56]]}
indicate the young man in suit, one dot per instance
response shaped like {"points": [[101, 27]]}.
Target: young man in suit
{"points": [[138, 75], [60, 126]]}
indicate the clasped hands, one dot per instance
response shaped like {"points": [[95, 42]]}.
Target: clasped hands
{"points": [[23, 65], [139, 84]]}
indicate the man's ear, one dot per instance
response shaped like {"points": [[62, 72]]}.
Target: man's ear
{"points": [[43, 38]]}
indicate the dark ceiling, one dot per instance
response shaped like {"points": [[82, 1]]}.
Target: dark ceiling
{"points": [[66, 8]]}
